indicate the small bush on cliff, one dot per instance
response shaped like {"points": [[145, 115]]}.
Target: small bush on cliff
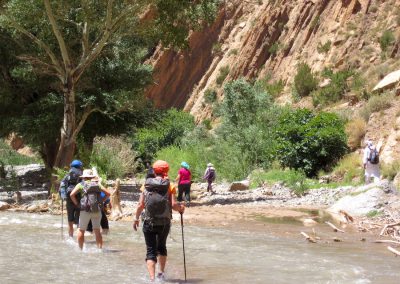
{"points": [[210, 96], [304, 81], [223, 72], [386, 40], [376, 103], [310, 142], [355, 130], [324, 48]]}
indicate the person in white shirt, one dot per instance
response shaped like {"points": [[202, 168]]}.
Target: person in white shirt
{"points": [[371, 167]]}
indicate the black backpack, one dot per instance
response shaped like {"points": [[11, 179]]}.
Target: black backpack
{"points": [[91, 197], [373, 156], [156, 200]]}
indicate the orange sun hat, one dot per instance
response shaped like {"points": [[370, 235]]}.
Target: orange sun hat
{"points": [[161, 168]]}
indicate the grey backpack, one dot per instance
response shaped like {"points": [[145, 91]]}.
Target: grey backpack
{"points": [[156, 199], [91, 197]]}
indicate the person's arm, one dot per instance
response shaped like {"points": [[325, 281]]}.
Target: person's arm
{"points": [[73, 194], [178, 178], [139, 210], [365, 158]]}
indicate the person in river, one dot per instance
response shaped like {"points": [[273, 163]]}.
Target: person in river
{"points": [[67, 184], [104, 220], [157, 198], [371, 162], [90, 204], [184, 180], [209, 176]]}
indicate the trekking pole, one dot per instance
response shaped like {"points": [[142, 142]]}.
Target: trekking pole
{"points": [[62, 218], [183, 246]]}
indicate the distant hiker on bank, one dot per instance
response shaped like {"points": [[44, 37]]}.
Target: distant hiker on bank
{"points": [[184, 180], [67, 184], [209, 176], [90, 204], [371, 162], [157, 198]]}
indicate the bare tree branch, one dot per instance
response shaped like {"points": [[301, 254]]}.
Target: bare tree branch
{"points": [[57, 33], [44, 67], [81, 123]]}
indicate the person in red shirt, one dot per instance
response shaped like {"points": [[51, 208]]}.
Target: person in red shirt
{"points": [[184, 180]]}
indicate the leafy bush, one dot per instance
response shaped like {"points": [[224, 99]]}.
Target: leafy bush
{"points": [[376, 103], [274, 89], [310, 142], [223, 72], [166, 131], [386, 40], [355, 131], [210, 96], [273, 49], [304, 81], [113, 156], [9, 156], [337, 87]]}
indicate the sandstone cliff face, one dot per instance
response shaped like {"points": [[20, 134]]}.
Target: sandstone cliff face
{"points": [[253, 39]]}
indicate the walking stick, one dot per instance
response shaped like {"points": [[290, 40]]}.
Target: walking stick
{"points": [[62, 218], [183, 246]]}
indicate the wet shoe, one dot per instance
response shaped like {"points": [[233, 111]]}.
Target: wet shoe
{"points": [[161, 276]]}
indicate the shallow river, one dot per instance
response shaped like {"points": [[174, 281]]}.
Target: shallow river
{"points": [[31, 251]]}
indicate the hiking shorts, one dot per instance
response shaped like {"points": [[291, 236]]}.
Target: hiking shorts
{"points": [[72, 212], [85, 217], [156, 240]]}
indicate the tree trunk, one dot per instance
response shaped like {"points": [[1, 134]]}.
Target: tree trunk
{"points": [[66, 149]]}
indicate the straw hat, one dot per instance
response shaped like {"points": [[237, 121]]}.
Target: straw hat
{"points": [[210, 165], [87, 174]]}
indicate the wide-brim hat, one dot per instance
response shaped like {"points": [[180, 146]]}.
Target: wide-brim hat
{"points": [[87, 174], [210, 165]]}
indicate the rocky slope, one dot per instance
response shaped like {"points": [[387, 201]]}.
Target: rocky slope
{"points": [[268, 38]]}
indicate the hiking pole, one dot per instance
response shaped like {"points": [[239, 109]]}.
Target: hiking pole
{"points": [[62, 218], [183, 246]]}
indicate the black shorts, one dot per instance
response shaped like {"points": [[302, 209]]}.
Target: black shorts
{"points": [[156, 240], [72, 212]]}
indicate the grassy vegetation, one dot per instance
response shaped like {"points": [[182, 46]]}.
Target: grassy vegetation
{"points": [[324, 48], [304, 82], [355, 130], [386, 40], [210, 96], [373, 213], [389, 171], [349, 168], [375, 104], [9, 156]]}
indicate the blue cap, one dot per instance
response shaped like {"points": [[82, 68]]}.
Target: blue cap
{"points": [[185, 165], [76, 164]]}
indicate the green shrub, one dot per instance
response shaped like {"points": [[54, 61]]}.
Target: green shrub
{"points": [[210, 96], [217, 48], [304, 81], [337, 87], [274, 48], [9, 156], [234, 51], [310, 142], [386, 40], [324, 48], [274, 89], [168, 130], [315, 22], [375, 104], [113, 156], [207, 124], [349, 168], [223, 72]]}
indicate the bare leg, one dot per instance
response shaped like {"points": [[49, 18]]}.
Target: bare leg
{"points": [[151, 267], [162, 260], [99, 238], [71, 229], [81, 238]]}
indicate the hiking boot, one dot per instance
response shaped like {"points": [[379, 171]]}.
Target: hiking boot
{"points": [[161, 276]]}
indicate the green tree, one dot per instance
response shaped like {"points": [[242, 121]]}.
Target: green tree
{"points": [[310, 142], [69, 38], [304, 81]]}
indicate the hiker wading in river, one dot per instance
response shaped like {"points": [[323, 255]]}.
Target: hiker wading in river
{"points": [[90, 204], [157, 198]]}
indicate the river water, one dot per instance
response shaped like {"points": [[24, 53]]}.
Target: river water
{"points": [[32, 251]]}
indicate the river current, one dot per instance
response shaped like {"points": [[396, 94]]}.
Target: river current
{"points": [[32, 251]]}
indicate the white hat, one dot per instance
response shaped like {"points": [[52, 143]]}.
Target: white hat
{"points": [[210, 165], [369, 143], [88, 174]]}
